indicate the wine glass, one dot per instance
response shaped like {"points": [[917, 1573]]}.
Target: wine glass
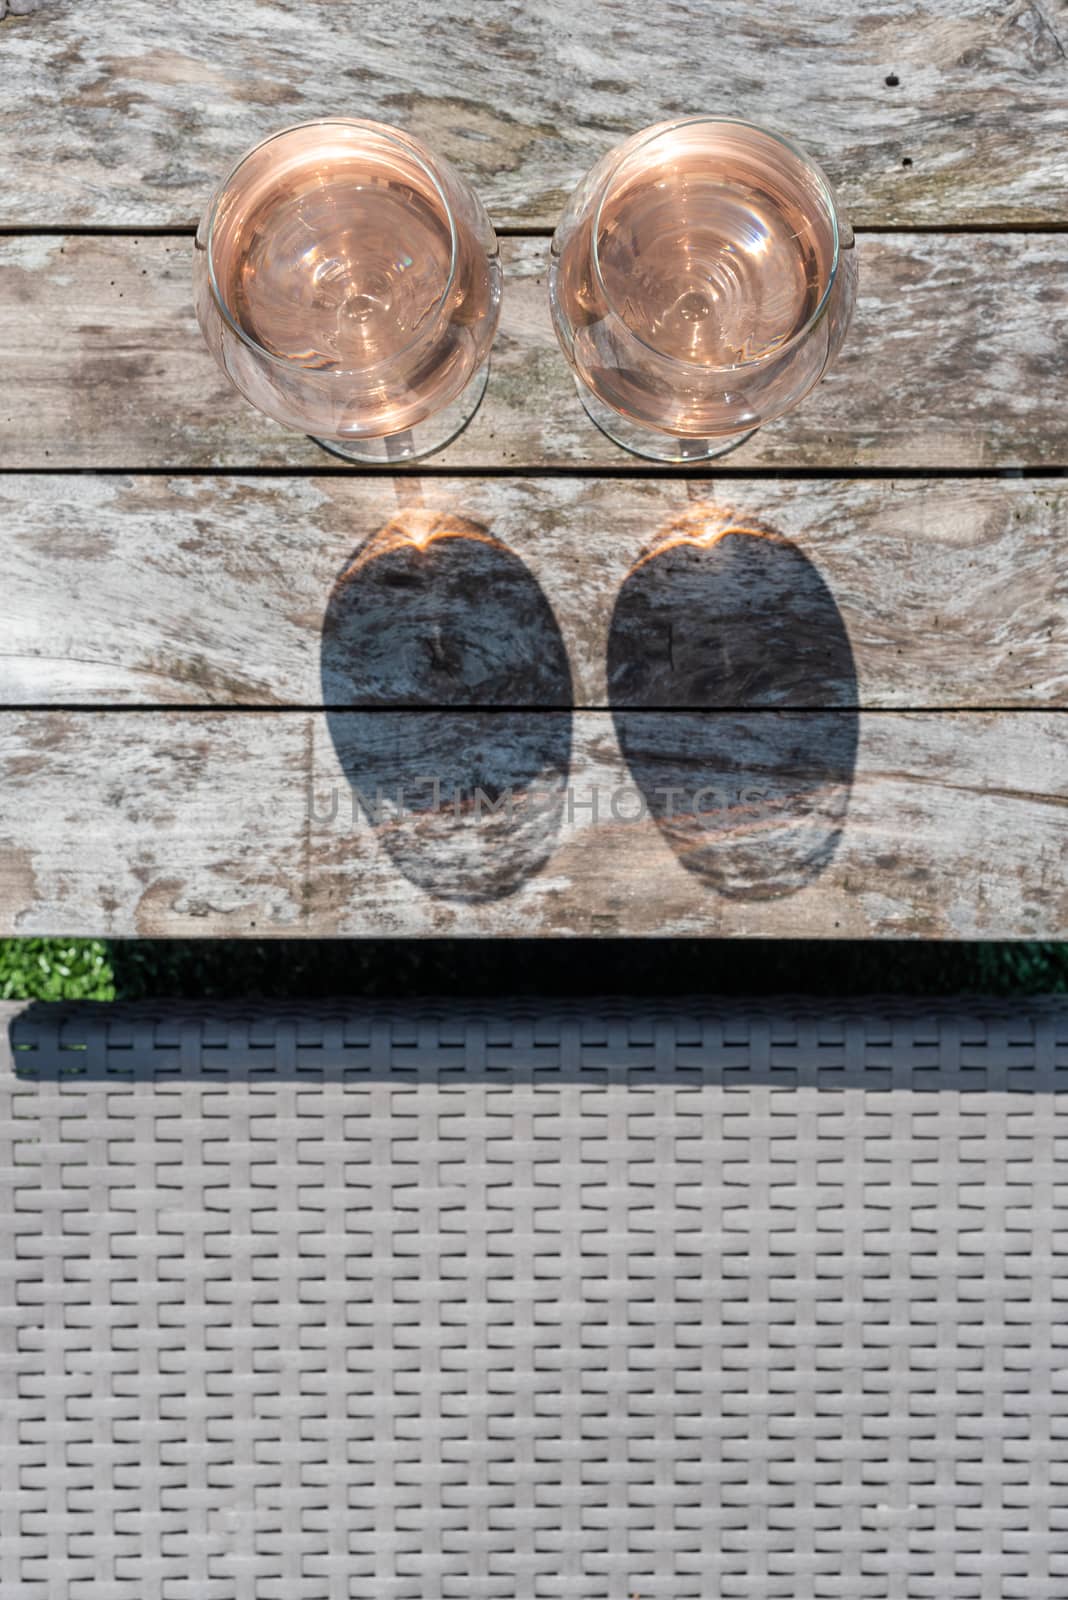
{"points": [[702, 278], [348, 283]]}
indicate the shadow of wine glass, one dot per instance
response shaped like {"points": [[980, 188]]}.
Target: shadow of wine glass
{"points": [[448, 696], [726, 655]]}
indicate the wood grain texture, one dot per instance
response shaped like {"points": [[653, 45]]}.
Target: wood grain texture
{"points": [[936, 825], [955, 359], [129, 112], [635, 813], [201, 591]]}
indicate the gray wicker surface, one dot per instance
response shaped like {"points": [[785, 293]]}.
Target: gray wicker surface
{"points": [[563, 1301]]}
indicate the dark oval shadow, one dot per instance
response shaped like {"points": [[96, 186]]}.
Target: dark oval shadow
{"points": [[435, 612], [719, 636]]}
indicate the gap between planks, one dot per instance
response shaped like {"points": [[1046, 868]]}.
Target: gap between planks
{"points": [[131, 230], [699, 472], [448, 708]]}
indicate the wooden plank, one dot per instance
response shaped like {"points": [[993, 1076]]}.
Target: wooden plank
{"points": [[128, 112], [954, 361], [947, 825], [202, 591]]}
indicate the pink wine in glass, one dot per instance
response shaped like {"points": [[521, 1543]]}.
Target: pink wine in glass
{"points": [[349, 285], [702, 279]]}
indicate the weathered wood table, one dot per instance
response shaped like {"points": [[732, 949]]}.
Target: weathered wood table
{"points": [[230, 666]]}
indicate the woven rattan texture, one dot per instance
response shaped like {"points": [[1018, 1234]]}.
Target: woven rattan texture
{"points": [[580, 1302]]}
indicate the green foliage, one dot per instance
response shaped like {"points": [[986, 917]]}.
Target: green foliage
{"points": [[559, 967], [55, 969]]}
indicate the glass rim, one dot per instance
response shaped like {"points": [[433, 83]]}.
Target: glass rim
{"points": [[392, 135], [658, 131]]}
